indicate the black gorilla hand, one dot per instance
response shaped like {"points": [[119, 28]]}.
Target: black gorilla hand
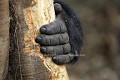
{"points": [[54, 39], [63, 38]]}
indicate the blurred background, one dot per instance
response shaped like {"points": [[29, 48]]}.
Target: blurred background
{"points": [[101, 24]]}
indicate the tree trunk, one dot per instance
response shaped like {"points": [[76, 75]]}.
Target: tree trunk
{"points": [[4, 37], [26, 61]]}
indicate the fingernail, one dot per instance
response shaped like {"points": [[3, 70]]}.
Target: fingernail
{"points": [[43, 30], [43, 49], [38, 39], [54, 58]]}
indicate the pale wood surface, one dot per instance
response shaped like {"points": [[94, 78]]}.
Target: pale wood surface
{"points": [[39, 13]]}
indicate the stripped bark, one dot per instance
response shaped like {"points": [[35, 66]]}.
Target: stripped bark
{"points": [[29, 63]]}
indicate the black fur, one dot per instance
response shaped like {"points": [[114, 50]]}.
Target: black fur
{"points": [[74, 29]]}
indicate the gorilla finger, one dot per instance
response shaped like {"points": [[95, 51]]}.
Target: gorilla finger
{"points": [[58, 8], [63, 59], [55, 50], [57, 26], [52, 39]]}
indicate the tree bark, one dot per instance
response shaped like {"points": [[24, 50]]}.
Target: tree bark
{"points": [[4, 37], [26, 61]]}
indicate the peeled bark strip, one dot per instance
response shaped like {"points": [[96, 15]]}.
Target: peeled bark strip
{"points": [[4, 38], [41, 12]]}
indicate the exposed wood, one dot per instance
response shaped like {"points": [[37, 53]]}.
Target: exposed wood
{"points": [[4, 38], [41, 12]]}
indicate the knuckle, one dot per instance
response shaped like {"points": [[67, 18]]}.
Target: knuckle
{"points": [[62, 26], [63, 38], [66, 38], [67, 48]]}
